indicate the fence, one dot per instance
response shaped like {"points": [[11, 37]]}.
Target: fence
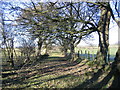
{"points": [[91, 55], [86, 54]]}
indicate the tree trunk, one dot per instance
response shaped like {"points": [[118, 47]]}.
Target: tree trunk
{"points": [[40, 42], [103, 32], [72, 52], [116, 69], [12, 57], [65, 48], [117, 57], [65, 52], [46, 49]]}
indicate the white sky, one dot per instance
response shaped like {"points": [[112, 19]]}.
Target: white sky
{"points": [[113, 36]]}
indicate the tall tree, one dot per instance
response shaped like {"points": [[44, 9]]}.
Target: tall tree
{"points": [[76, 23], [33, 18], [7, 32], [103, 31]]}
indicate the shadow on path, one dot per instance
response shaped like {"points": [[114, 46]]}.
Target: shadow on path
{"points": [[104, 82], [89, 82], [19, 79]]}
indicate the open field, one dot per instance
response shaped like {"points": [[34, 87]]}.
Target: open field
{"points": [[93, 50]]}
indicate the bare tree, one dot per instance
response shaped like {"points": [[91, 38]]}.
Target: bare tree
{"points": [[7, 37]]}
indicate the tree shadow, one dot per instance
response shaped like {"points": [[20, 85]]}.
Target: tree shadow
{"points": [[19, 79], [116, 81], [8, 74], [56, 78], [63, 71], [46, 70], [68, 64], [60, 77], [104, 82], [50, 70], [89, 82], [26, 75], [41, 60]]}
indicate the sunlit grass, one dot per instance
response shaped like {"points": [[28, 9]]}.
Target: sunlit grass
{"points": [[52, 79], [49, 80], [43, 80], [56, 54]]}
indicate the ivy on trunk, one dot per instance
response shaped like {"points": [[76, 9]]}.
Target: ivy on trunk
{"points": [[103, 32]]}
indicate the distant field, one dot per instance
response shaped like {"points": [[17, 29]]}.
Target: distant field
{"points": [[93, 50], [83, 51]]}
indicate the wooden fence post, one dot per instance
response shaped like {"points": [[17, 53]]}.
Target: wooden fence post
{"points": [[78, 54], [88, 55], [108, 55], [93, 57], [81, 52]]}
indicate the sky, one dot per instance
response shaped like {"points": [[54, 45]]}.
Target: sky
{"points": [[113, 36], [113, 33]]}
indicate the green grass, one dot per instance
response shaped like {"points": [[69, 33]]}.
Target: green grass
{"points": [[113, 50], [38, 77], [58, 54], [93, 50], [53, 79], [45, 75]]}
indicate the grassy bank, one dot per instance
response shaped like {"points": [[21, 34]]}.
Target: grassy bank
{"points": [[55, 72]]}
